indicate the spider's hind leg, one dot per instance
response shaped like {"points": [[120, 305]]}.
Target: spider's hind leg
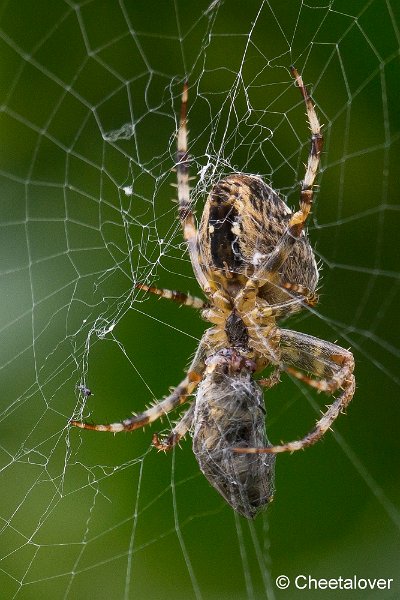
{"points": [[298, 220], [297, 290], [185, 212]]}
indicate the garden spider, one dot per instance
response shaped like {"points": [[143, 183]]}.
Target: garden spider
{"points": [[254, 263]]}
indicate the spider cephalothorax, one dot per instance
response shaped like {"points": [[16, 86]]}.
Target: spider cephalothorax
{"points": [[254, 263]]}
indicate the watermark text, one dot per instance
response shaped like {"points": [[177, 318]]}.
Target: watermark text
{"points": [[307, 582]]}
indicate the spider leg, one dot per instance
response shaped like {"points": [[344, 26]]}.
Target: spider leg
{"points": [[297, 221], [333, 364], [296, 224], [330, 362], [280, 310], [178, 297], [185, 212], [262, 313], [309, 297], [179, 395], [273, 379], [179, 431]]}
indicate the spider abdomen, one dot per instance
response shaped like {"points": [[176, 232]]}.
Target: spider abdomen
{"points": [[230, 414], [242, 223]]}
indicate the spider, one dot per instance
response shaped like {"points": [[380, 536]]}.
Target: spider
{"points": [[254, 263]]}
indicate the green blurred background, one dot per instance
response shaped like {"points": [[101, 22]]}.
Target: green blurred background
{"points": [[89, 97]]}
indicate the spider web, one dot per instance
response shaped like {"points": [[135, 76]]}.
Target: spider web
{"points": [[89, 105]]}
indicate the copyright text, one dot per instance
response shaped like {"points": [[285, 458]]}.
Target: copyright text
{"points": [[307, 582]]}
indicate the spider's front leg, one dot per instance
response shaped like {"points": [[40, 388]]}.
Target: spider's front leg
{"points": [[178, 432], [333, 364], [179, 395]]}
